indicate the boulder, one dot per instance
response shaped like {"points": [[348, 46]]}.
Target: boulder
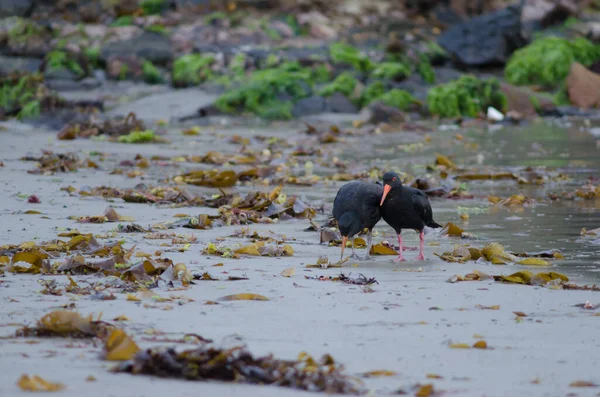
{"points": [[338, 103], [18, 8], [154, 47], [583, 87], [309, 106], [380, 113], [10, 65], [524, 101], [486, 40]]}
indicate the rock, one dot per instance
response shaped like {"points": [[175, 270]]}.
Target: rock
{"points": [[19, 8], [486, 40], [59, 74], [595, 67], [592, 31], [309, 106], [18, 64], [583, 87], [538, 14], [381, 113], [494, 115], [523, 100], [154, 47], [338, 103], [124, 68], [167, 105]]}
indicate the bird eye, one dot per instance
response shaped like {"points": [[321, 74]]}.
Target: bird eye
{"points": [[394, 179]]}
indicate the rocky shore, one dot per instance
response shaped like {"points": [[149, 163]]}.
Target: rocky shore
{"points": [[64, 61]]}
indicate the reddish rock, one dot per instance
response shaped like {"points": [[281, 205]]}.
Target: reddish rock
{"points": [[583, 86], [522, 100]]}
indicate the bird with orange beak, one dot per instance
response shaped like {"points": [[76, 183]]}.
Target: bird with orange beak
{"points": [[403, 207], [356, 207]]}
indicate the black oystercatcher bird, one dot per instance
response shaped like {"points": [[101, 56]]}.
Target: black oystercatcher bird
{"points": [[404, 207], [356, 207]]}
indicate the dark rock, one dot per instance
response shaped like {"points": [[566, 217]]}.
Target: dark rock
{"points": [[568, 111], [381, 113], [60, 74], [338, 103], [154, 47], [63, 85], [595, 67], [309, 106], [18, 64], [446, 16], [90, 83], [19, 8], [486, 40]]}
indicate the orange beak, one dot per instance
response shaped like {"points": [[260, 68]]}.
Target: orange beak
{"points": [[344, 241], [386, 190]]}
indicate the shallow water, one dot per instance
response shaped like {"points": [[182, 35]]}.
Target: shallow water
{"points": [[567, 148]]}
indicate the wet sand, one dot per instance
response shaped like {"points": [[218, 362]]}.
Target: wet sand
{"points": [[405, 323]]}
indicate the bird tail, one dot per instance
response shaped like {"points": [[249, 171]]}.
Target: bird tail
{"points": [[434, 224]]}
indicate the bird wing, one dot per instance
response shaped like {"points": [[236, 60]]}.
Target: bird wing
{"points": [[422, 206]]}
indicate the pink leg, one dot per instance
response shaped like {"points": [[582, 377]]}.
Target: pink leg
{"points": [[421, 257], [400, 256]]}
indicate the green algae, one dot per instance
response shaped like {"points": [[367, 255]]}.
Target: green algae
{"points": [[399, 99], [391, 71], [345, 83], [138, 137], [425, 70], [269, 93], [372, 92], [192, 69], [20, 96], [467, 97], [153, 7], [58, 59], [547, 61], [346, 54], [151, 73]]}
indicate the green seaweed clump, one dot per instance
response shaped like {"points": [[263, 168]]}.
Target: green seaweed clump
{"points": [[547, 61], [93, 55], [321, 74], [341, 53], [151, 73], [467, 96], [399, 99], [269, 93], [391, 71], [58, 59], [138, 137], [345, 83], [20, 97], [157, 28], [192, 69], [372, 92], [153, 7], [426, 70], [123, 20], [24, 30]]}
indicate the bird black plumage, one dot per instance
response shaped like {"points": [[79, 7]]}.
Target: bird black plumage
{"points": [[356, 207], [403, 207]]}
